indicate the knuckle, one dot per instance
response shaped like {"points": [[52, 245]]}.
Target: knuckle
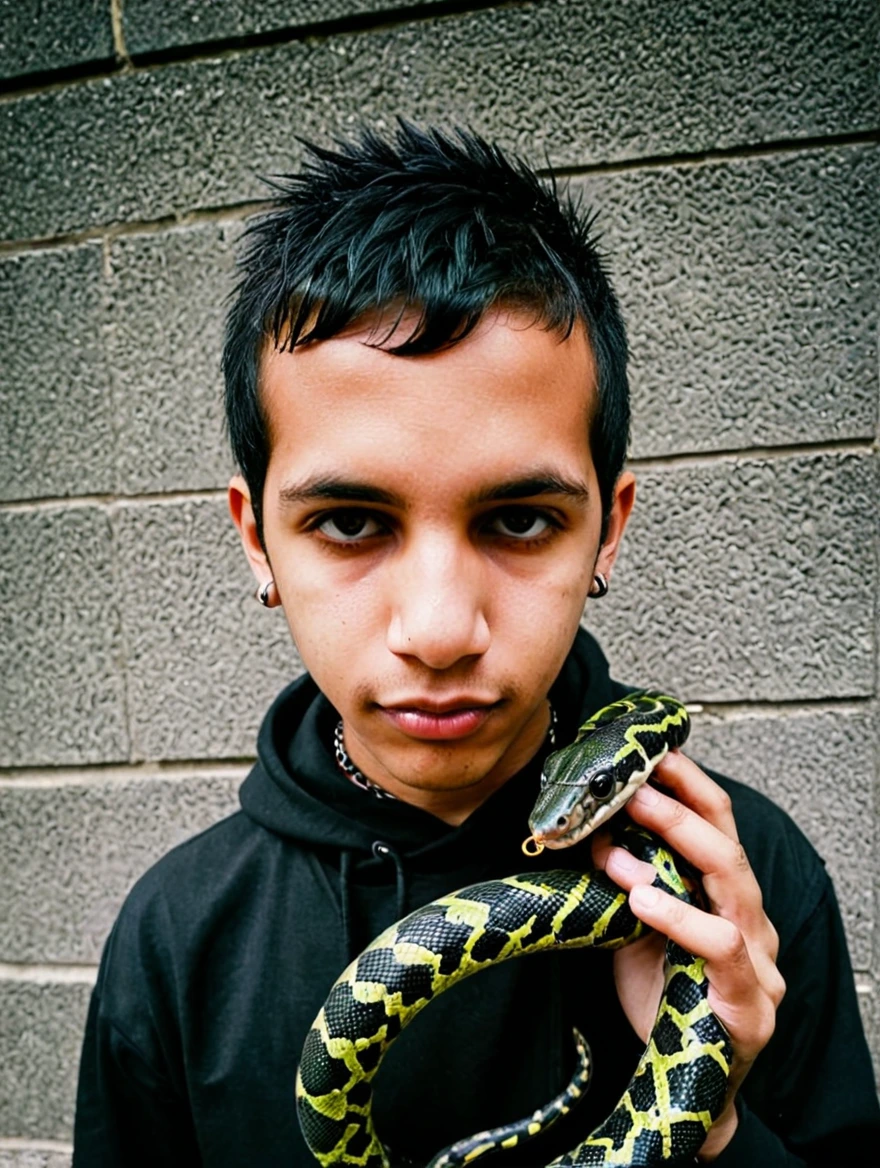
{"points": [[723, 802], [777, 987], [740, 859], [772, 939], [676, 813], [731, 945]]}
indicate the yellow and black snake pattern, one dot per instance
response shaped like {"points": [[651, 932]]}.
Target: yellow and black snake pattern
{"points": [[679, 1086]]}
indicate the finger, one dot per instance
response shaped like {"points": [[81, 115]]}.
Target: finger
{"points": [[625, 870], [736, 993], [681, 776], [728, 879], [621, 865], [693, 787], [600, 846], [720, 942], [742, 905]]}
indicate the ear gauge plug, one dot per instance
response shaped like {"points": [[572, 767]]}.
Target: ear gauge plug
{"points": [[599, 587]]}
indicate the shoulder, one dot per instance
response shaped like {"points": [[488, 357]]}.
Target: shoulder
{"points": [[195, 862], [178, 902], [789, 870]]}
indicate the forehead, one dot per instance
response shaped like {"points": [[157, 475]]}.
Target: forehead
{"points": [[511, 393]]}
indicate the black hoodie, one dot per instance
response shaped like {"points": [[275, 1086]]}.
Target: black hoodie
{"points": [[224, 952]]}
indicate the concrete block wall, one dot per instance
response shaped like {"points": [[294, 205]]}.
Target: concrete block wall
{"points": [[732, 152]]}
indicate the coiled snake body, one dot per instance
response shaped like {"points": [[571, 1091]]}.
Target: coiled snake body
{"points": [[679, 1086]]}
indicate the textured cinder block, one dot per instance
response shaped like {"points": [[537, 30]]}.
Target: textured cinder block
{"points": [[41, 1029], [164, 342], [819, 766], [750, 293], [71, 853], [204, 659], [578, 82], [33, 1158], [749, 579], [56, 434], [151, 25], [36, 38], [62, 694]]}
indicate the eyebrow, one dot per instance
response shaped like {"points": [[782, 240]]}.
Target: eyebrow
{"points": [[534, 483]]}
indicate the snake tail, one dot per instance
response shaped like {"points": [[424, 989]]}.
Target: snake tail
{"points": [[419, 957], [511, 1135]]}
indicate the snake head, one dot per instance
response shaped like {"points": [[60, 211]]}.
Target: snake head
{"points": [[582, 785], [614, 753]]}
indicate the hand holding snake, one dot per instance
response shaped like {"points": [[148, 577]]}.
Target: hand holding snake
{"points": [[704, 1036], [736, 938]]}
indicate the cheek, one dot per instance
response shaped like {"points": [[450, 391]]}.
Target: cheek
{"points": [[537, 619], [331, 627], [559, 586]]}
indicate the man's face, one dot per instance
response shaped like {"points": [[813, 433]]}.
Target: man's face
{"points": [[432, 525]]}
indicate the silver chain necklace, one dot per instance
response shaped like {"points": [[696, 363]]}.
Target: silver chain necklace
{"points": [[360, 779]]}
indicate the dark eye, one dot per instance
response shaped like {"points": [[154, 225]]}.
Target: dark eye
{"points": [[602, 786], [521, 523], [346, 526]]}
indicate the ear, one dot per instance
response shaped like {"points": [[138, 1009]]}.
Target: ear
{"points": [[621, 507], [242, 512]]}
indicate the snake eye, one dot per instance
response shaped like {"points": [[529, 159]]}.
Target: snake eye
{"points": [[602, 786]]}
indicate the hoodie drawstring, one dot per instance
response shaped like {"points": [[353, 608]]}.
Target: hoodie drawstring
{"points": [[345, 903], [381, 850]]}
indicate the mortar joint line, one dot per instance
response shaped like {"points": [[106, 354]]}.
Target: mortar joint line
{"points": [[49, 973], [237, 767], [734, 454], [108, 233], [739, 152], [235, 212], [38, 1144], [122, 54], [125, 62], [725, 707], [115, 500], [172, 770]]}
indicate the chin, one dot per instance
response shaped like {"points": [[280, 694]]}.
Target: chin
{"points": [[438, 780]]}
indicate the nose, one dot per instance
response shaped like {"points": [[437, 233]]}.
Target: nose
{"points": [[438, 610]]}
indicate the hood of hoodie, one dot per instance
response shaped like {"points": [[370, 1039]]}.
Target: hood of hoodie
{"points": [[350, 864], [297, 790]]}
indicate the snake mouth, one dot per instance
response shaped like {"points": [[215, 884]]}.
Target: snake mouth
{"points": [[557, 843]]}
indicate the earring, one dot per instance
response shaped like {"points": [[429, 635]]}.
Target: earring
{"points": [[263, 593], [599, 587]]}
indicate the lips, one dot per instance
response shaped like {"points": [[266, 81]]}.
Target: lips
{"points": [[431, 719]]}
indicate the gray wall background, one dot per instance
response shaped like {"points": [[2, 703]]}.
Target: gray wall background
{"points": [[732, 150]]}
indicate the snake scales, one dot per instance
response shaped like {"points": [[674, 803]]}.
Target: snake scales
{"points": [[679, 1086]]}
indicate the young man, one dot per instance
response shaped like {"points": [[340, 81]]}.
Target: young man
{"points": [[427, 397]]}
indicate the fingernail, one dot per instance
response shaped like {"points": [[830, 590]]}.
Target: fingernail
{"points": [[645, 895], [647, 795], [623, 859]]}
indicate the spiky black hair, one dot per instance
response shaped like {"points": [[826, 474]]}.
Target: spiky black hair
{"points": [[443, 226]]}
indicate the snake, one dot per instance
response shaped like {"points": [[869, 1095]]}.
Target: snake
{"points": [[680, 1084]]}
